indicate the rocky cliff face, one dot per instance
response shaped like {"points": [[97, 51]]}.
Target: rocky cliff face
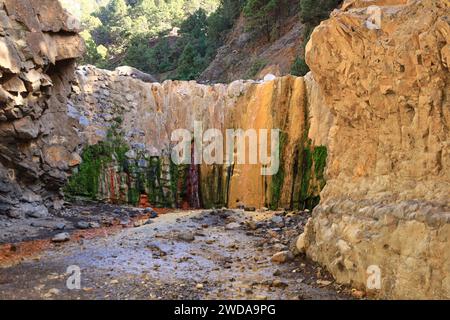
{"points": [[38, 47], [386, 202], [144, 115]]}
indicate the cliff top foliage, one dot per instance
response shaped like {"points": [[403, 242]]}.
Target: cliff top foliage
{"points": [[177, 39]]}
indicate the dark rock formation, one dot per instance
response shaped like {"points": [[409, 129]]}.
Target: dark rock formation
{"points": [[38, 47]]}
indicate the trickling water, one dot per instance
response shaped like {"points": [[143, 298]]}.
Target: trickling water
{"points": [[193, 183]]}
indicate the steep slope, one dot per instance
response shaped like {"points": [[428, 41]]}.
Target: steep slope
{"points": [[38, 48], [386, 202], [246, 56]]}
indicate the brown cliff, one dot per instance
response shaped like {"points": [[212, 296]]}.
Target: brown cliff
{"points": [[386, 202]]}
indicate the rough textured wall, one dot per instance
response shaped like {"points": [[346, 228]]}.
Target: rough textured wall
{"points": [[149, 112], [38, 47], [386, 201]]}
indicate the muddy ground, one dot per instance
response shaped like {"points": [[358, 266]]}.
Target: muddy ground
{"points": [[208, 254]]}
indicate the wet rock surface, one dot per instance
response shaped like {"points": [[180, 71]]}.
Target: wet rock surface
{"points": [[153, 262]]}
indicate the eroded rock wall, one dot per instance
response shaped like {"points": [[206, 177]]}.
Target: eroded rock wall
{"points": [[386, 202], [150, 112], [38, 47]]}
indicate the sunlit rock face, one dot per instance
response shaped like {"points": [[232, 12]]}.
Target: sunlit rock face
{"points": [[38, 46], [146, 115], [386, 202]]}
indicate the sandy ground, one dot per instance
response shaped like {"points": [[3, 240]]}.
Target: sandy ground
{"points": [[180, 255]]}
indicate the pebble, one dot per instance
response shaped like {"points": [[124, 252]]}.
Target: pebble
{"points": [[232, 226], [278, 220], [358, 294], [199, 286], [279, 284], [282, 257], [323, 283], [82, 225], [94, 225], [186, 236], [52, 292], [61, 237], [60, 226]]}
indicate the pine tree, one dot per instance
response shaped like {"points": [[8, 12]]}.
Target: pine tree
{"points": [[263, 16]]}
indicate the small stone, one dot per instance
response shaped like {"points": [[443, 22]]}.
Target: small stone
{"points": [[279, 284], [277, 273], [124, 223], [60, 226], [138, 224], [199, 286], [252, 225], [82, 225], [186, 236], [323, 283], [94, 225], [250, 209], [280, 247], [282, 257], [61, 237], [14, 214], [301, 244], [153, 213], [269, 77], [54, 292], [278, 221], [232, 226], [358, 294]]}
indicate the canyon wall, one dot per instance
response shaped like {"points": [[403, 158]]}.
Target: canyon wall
{"points": [[386, 202], [144, 115], [38, 47]]}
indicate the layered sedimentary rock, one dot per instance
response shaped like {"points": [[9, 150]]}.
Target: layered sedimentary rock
{"points": [[108, 105], [384, 73], [38, 47]]}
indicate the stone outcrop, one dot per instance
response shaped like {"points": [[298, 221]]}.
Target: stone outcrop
{"points": [[146, 114], [38, 47], [386, 202]]}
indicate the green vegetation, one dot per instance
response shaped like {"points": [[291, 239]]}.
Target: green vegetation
{"points": [[314, 11], [311, 13], [264, 16], [141, 33], [85, 181], [299, 68], [320, 155], [312, 163]]}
